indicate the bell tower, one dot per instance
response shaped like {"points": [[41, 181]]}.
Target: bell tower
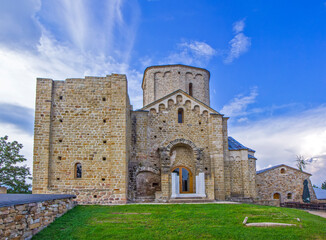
{"points": [[159, 81]]}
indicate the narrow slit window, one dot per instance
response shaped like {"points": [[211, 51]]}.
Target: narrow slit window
{"points": [[78, 170], [190, 89], [180, 115]]}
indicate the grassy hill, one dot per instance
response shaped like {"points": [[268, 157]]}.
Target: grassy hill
{"points": [[183, 221]]}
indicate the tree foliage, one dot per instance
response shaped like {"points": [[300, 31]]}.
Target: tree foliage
{"points": [[302, 162], [323, 185], [13, 176]]}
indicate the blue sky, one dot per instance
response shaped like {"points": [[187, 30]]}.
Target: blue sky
{"points": [[267, 61]]}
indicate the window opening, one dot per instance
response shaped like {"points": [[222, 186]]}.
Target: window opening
{"points": [[78, 170], [276, 196], [180, 115], [190, 89]]}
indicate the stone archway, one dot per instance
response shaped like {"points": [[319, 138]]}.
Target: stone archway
{"points": [[148, 181], [166, 158], [169, 185]]}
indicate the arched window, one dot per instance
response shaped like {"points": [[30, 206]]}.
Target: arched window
{"points": [[289, 196], [282, 170], [78, 170], [190, 89], [180, 115], [276, 196]]}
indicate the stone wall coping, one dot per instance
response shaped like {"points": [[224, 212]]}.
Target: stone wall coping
{"points": [[7, 200]]}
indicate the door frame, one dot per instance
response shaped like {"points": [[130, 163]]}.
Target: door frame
{"points": [[191, 179]]}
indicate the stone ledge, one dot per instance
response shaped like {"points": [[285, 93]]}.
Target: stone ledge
{"points": [[7, 200]]}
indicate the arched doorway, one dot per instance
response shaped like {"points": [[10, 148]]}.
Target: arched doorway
{"points": [[185, 179], [276, 196]]}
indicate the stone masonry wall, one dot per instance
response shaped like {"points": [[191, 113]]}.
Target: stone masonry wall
{"points": [[25, 220], [291, 181], [160, 81], [82, 121], [153, 130]]}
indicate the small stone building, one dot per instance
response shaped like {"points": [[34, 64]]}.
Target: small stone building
{"points": [[88, 140], [283, 183]]}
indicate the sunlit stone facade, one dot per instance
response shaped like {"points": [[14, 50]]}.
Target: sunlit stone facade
{"points": [[89, 142]]}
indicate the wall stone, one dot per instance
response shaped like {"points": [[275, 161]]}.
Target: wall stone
{"points": [[128, 154], [3, 190], [160, 81], [25, 220], [285, 181], [154, 131], [84, 121]]}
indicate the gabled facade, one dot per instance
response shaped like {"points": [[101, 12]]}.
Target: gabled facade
{"points": [[283, 183], [89, 142]]}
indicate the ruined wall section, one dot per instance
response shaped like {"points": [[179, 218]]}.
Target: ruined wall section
{"points": [[42, 128], [242, 174], [160, 81], [89, 119], [216, 152], [226, 156]]}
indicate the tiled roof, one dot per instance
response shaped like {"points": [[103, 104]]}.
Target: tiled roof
{"points": [[235, 145], [320, 193], [267, 169], [251, 157], [280, 165]]}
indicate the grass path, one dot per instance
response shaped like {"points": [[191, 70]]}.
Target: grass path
{"points": [[182, 221]]}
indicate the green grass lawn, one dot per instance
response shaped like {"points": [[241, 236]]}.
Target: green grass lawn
{"points": [[182, 221]]}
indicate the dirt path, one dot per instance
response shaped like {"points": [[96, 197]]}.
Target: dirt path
{"points": [[318, 213]]}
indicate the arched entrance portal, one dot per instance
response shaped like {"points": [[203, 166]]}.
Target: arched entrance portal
{"points": [[185, 179]]}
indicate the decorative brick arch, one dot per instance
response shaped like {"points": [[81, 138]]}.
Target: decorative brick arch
{"points": [[165, 154]]}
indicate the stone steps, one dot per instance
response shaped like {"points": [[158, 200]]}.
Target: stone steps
{"points": [[242, 199], [190, 200]]}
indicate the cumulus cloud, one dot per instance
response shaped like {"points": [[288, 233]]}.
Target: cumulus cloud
{"points": [[191, 53], [239, 44], [239, 104], [280, 139]]}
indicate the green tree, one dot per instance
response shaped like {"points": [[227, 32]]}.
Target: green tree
{"points": [[12, 176], [323, 185], [302, 162]]}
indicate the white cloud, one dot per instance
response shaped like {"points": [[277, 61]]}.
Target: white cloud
{"points": [[238, 105], [89, 48], [239, 44], [199, 48], [68, 40], [278, 140], [191, 53], [239, 26]]}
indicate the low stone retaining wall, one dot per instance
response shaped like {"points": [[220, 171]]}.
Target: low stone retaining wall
{"points": [[310, 206], [23, 215], [274, 202]]}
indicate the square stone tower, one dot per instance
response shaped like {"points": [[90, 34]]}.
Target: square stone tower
{"points": [[81, 138]]}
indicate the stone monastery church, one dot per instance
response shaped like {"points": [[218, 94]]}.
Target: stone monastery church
{"points": [[91, 143]]}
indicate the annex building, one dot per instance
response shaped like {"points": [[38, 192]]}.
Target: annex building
{"points": [[88, 141]]}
